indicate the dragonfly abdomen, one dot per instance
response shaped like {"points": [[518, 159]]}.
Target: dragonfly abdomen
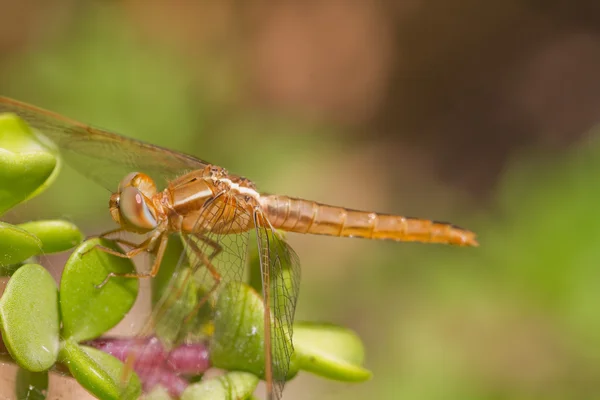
{"points": [[304, 216]]}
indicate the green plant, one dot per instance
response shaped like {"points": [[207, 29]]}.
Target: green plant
{"points": [[45, 327]]}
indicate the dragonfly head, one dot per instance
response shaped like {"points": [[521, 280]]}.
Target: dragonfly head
{"points": [[132, 207]]}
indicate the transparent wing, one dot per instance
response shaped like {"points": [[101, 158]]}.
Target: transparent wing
{"points": [[185, 310], [208, 262], [196, 301], [100, 155], [280, 271]]}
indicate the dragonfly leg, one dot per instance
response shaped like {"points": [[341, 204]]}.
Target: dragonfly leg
{"points": [[144, 246], [117, 240], [111, 232], [107, 234], [126, 243], [137, 249], [216, 247]]}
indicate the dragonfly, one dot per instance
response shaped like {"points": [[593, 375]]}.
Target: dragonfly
{"points": [[158, 192]]}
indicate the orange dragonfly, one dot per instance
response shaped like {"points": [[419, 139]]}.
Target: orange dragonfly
{"points": [[215, 212]]}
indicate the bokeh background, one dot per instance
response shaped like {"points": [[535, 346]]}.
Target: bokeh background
{"points": [[480, 113]]}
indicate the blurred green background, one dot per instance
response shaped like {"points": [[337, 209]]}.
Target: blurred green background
{"points": [[477, 113]]}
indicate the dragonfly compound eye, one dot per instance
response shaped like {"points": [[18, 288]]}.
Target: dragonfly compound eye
{"points": [[127, 181], [135, 209], [141, 181], [145, 184]]}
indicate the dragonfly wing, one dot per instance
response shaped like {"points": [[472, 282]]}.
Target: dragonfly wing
{"points": [[280, 271], [280, 275], [102, 156], [184, 310]]}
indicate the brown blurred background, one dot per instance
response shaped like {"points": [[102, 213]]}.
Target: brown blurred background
{"points": [[411, 106]]}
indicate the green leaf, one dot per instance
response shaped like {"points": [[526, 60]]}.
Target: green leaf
{"points": [[31, 385], [16, 244], [99, 373], [17, 137], [29, 318], [238, 342], [89, 311], [233, 385], [330, 351], [26, 166], [56, 235]]}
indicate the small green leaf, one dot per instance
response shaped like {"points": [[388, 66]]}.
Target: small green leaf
{"points": [[233, 385], [238, 341], [16, 244], [99, 373], [26, 166], [330, 351], [31, 385], [29, 318], [21, 176], [89, 311], [56, 235], [239, 330], [17, 137]]}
